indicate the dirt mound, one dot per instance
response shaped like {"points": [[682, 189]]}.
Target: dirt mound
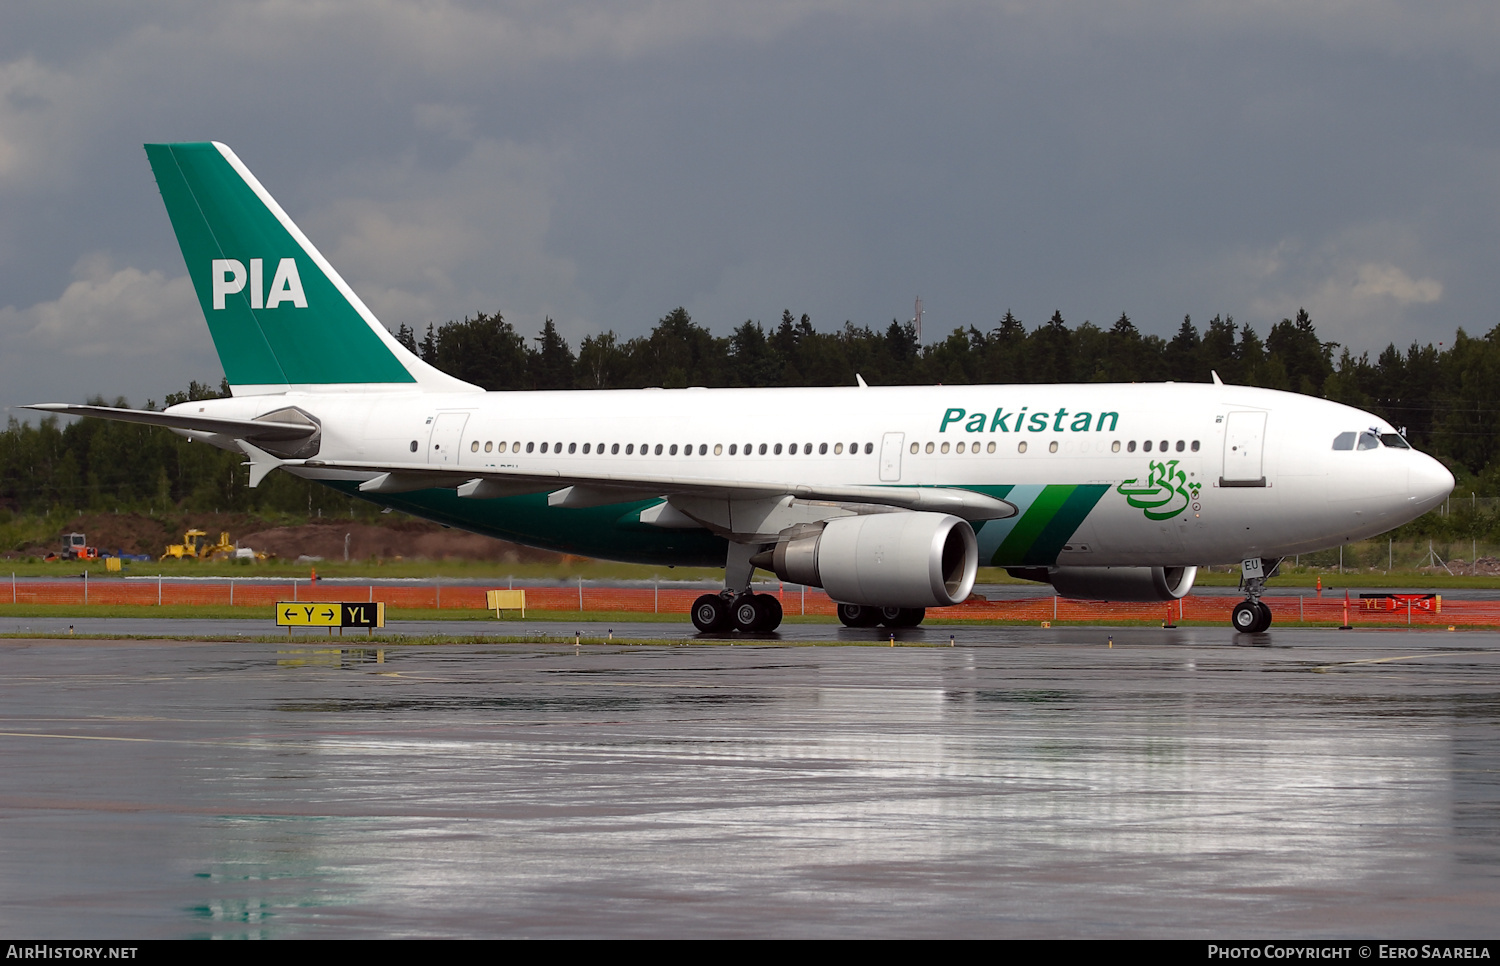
{"points": [[400, 537], [410, 539], [115, 533]]}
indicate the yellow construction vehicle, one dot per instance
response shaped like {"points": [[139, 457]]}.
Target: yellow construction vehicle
{"points": [[187, 548], [190, 548]]}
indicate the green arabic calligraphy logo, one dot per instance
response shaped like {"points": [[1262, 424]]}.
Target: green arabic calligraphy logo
{"points": [[1165, 493]]}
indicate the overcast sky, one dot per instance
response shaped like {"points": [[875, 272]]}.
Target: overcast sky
{"points": [[603, 163]]}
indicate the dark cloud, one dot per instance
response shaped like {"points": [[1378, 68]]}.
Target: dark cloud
{"points": [[605, 163]]}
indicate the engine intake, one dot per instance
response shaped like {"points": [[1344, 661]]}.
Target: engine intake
{"points": [[901, 559], [1114, 583]]}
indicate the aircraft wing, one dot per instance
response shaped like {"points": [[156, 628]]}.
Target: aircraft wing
{"points": [[266, 431], [582, 489]]}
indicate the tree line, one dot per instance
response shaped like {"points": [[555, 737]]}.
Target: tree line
{"points": [[1444, 396]]}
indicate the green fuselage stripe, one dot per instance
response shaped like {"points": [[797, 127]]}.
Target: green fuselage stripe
{"points": [[1056, 532], [1047, 524]]}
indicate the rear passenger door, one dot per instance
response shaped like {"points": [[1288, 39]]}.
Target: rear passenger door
{"points": [[447, 435], [890, 457]]}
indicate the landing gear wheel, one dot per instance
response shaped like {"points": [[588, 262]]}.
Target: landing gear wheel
{"points": [[748, 614], [858, 615], [1250, 617], [711, 614], [902, 616], [770, 609]]}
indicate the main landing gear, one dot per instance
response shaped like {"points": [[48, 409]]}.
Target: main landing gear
{"points": [[736, 608], [1252, 616], [859, 615], [747, 613]]}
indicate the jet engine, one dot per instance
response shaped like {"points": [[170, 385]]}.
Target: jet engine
{"points": [[1113, 583], [899, 559]]}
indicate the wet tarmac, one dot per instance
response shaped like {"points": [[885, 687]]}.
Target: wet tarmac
{"points": [[1189, 783]]}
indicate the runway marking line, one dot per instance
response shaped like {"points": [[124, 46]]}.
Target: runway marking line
{"points": [[42, 734], [1384, 660]]}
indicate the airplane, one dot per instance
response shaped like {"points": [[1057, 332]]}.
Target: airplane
{"points": [[888, 498]]}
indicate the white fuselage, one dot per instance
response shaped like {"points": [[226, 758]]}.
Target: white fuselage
{"points": [[1245, 472]]}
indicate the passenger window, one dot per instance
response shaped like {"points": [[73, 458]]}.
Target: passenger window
{"points": [[1021, 446], [777, 450], [488, 444], [413, 446], [945, 447], [763, 449], [1181, 445], [959, 448], [915, 447], [572, 448], [822, 449], [718, 449], [1195, 446], [1146, 446], [614, 449], [991, 448], [838, 449], [1115, 446], [474, 446], [1130, 447], [869, 448], [929, 447], [1052, 447], [658, 449], [1343, 441], [673, 450]]}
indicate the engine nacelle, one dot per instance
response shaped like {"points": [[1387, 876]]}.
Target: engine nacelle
{"points": [[901, 559], [1116, 583]]}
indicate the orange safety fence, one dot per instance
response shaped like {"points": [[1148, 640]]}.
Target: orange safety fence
{"points": [[794, 600]]}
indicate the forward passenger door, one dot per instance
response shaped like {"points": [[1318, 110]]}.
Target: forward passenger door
{"points": [[1244, 447]]}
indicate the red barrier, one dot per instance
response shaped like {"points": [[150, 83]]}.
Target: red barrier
{"points": [[1309, 609]]}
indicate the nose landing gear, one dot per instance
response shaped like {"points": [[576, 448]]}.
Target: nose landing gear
{"points": [[1252, 616]]}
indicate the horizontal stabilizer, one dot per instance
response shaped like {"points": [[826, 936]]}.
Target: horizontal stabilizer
{"points": [[265, 431]]}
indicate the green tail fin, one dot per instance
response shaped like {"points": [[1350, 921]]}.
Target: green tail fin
{"points": [[280, 316]]}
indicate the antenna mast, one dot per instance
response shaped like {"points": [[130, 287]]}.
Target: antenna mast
{"points": [[917, 320]]}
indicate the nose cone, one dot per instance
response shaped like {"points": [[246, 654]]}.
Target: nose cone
{"points": [[1428, 483]]}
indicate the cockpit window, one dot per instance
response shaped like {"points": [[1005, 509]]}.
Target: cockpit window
{"points": [[1394, 441], [1343, 441], [1368, 440]]}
